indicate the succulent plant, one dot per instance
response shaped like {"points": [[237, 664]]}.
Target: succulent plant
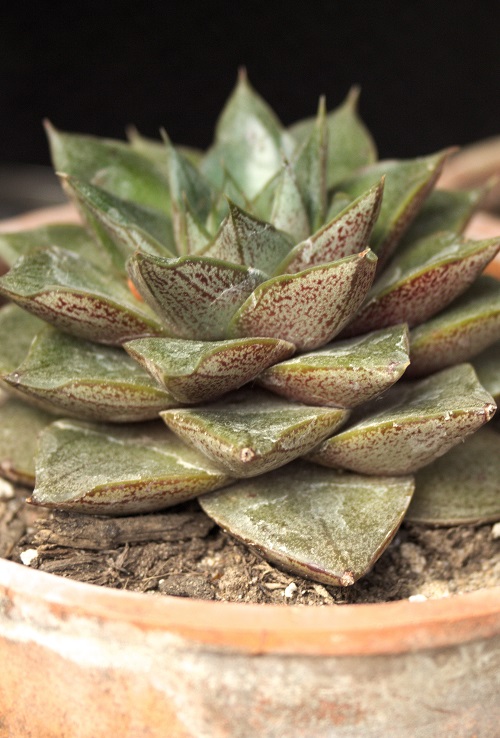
{"points": [[277, 326]]}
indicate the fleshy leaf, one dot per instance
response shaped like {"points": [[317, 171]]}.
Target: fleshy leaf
{"points": [[465, 328], [407, 184], [198, 371], [350, 145], [463, 486], [324, 525], [19, 430], [72, 237], [413, 424], [76, 296], [127, 226], [309, 166], [88, 381], [244, 240], [344, 374], [249, 141], [487, 366], [424, 280], [250, 432], [154, 149], [117, 471], [194, 296], [348, 233], [288, 212], [112, 165], [309, 308], [17, 331]]}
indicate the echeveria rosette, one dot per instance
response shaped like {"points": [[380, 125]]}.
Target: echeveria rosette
{"points": [[261, 300]]}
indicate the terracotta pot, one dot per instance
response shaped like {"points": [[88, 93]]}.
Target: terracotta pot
{"points": [[79, 661]]}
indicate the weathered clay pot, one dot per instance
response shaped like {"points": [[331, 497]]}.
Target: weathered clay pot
{"points": [[79, 661]]}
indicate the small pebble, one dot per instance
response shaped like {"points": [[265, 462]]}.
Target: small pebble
{"points": [[417, 598], [495, 531], [6, 490], [28, 556], [290, 590]]}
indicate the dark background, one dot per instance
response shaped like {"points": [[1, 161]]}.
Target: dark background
{"points": [[429, 71]]}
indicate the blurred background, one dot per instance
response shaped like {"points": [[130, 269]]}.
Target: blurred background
{"points": [[429, 72]]}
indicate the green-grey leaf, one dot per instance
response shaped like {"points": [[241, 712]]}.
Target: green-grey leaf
{"points": [[244, 240], [463, 486], [308, 308], [85, 380], [328, 526], [346, 234], [487, 366], [118, 471], [200, 371], [413, 424], [251, 432], [345, 373], [289, 212], [194, 296], [19, 430], [17, 331], [127, 226], [76, 296], [424, 280], [407, 184], [112, 165], [465, 328], [154, 149], [309, 166]]}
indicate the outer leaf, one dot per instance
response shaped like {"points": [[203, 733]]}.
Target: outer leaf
{"points": [[134, 470], [19, 430], [112, 165], [487, 367], [308, 308], [17, 330], [88, 381], [407, 184], [195, 296], [197, 371], [423, 281], [463, 486], [344, 374], [244, 240], [309, 166], [348, 233], [250, 433], [76, 296], [72, 237], [317, 523], [127, 226], [350, 145], [468, 326], [412, 425]]}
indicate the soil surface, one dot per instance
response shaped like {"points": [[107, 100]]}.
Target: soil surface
{"points": [[181, 552]]}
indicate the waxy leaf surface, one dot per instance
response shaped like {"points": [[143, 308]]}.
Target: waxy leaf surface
{"points": [[463, 486], [117, 471], [199, 371], [308, 308], [464, 329], [74, 295], [72, 237], [88, 381], [249, 433], [344, 374], [424, 280], [195, 296], [487, 365], [413, 424], [309, 165], [328, 526], [17, 330], [288, 212]]}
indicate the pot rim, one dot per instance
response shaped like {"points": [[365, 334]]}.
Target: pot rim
{"points": [[334, 630]]}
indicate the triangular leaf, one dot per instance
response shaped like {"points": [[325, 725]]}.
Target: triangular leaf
{"points": [[289, 212], [309, 166]]}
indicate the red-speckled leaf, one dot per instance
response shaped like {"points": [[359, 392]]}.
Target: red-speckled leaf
{"points": [[309, 308], [423, 281], [201, 371], [465, 328], [487, 366], [348, 233], [252, 432], [19, 429], [345, 373], [324, 525], [76, 296], [413, 424], [244, 240], [194, 296], [85, 380], [407, 184], [309, 166], [463, 486], [132, 470]]}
